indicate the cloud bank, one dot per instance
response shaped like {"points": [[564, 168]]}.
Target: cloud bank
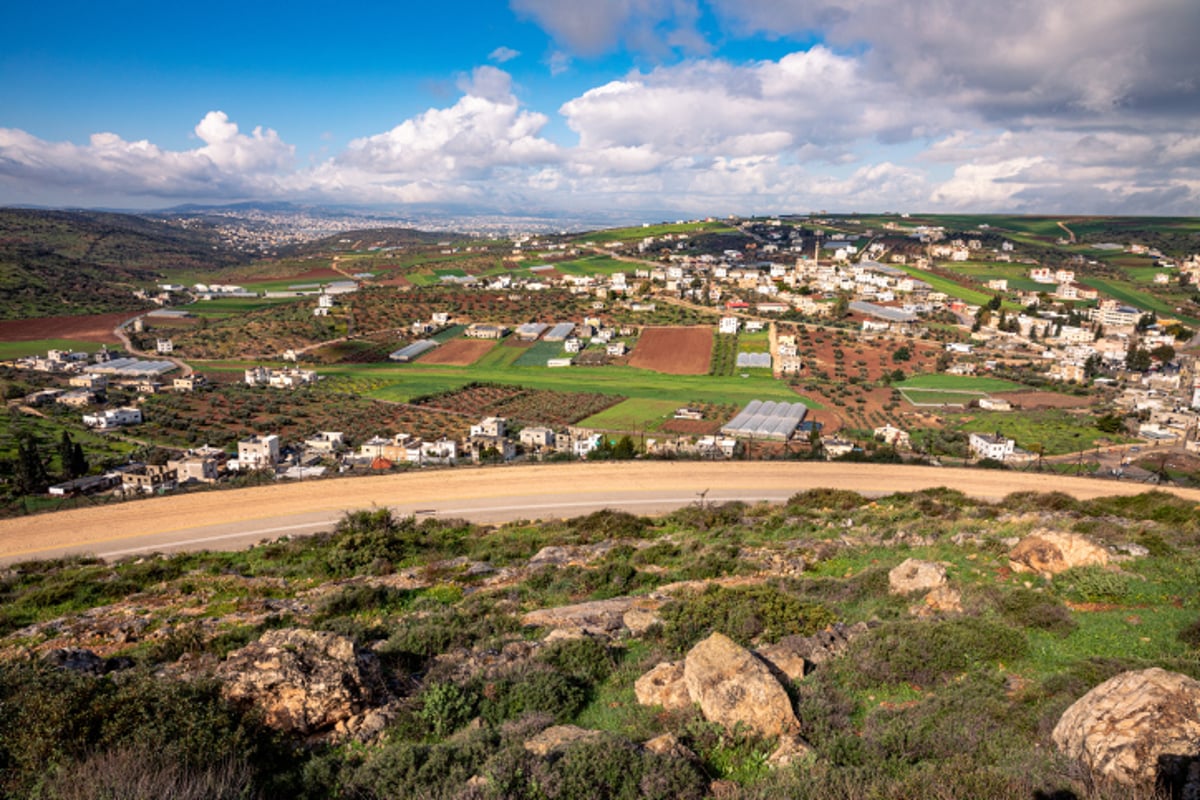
{"points": [[1071, 107]]}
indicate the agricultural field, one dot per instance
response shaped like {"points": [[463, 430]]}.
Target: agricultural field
{"points": [[88, 328], [459, 352], [971, 383], [38, 347], [1126, 293], [1056, 431], [940, 397], [642, 231], [536, 354], [593, 265], [514, 402], [674, 351]]}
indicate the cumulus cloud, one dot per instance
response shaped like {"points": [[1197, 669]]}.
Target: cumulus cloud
{"points": [[598, 26], [503, 54], [485, 129], [229, 164], [1008, 60]]}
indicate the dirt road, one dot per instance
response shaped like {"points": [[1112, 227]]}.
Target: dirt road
{"points": [[493, 494]]}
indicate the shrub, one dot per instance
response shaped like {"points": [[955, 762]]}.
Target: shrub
{"points": [[924, 653], [445, 707], [530, 689], [1190, 635], [1029, 609], [608, 524], [837, 499], [1092, 584], [587, 661], [741, 613]]}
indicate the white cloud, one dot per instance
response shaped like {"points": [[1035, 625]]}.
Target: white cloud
{"points": [[503, 54], [596, 26]]}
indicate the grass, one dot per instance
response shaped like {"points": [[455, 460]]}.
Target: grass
{"points": [[412, 380], [1125, 292], [539, 353], [632, 415], [38, 347], [1059, 432], [934, 397], [594, 265], [234, 306], [949, 287], [641, 232], [968, 383]]}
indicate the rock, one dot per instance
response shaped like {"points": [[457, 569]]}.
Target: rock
{"points": [[1132, 550], [942, 600], [796, 656], [1051, 552], [790, 750], [667, 745], [75, 659], [304, 681], [559, 738], [551, 555], [663, 686], [916, 576], [639, 620], [598, 617], [733, 686], [1137, 729]]}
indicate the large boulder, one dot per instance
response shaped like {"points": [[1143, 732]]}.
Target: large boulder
{"points": [[915, 575], [663, 686], [1051, 552], [304, 681], [732, 686], [1137, 729]]}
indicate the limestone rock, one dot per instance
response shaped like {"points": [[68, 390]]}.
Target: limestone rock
{"points": [[733, 686], [796, 656], [558, 738], [598, 617], [304, 681], [942, 600], [663, 686], [1137, 728], [641, 619], [916, 576], [667, 745], [1051, 552], [790, 750]]}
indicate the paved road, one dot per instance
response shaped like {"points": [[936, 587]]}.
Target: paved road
{"points": [[233, 519]]}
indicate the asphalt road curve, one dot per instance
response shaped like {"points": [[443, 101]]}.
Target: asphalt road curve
{"points": [[232, 519]]}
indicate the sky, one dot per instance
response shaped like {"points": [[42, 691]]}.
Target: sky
{"points": [[705, 107]]}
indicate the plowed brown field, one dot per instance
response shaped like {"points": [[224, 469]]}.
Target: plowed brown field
{"points": [[675, 351], [90, 328], [458, 353]]}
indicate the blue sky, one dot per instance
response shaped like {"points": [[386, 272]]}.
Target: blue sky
{"points": [[706, 106]]}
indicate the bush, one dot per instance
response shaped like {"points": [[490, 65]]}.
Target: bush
{"points": [[530, 689], [925, 653], [836, 499], [587, 661], [744, 614], [445, 707], [1191, 635], [608, 524], [1029, 609], [1092, 584]]}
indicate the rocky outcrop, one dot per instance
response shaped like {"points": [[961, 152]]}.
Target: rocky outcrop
{"points": [[558, 738], [939, 602], [304, 681], [598, 617], [796, 656], [1051, 552], [915, 576], [1137, 729], [77, 659], [732, 687], [663, 686], [667, 744]]}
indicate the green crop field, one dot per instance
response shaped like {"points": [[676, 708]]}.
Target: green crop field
{"points": [[965, 383], [1125, 292], [453, 332], [940, 397], [640, 232], [39, 347], [401, 382], [634, 414], [234, 306], [594, 265], [539, 353], [949, 287], [1057, 431]]}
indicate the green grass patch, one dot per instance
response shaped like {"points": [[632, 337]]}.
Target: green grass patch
{"points": [[38, 347], [633, 414], [642, 231], [1056, 430], [539, 353], [1123, 291], [967, 383], [453, 332], [939, 397], [949, 287], [594, 265], [235, 306]]}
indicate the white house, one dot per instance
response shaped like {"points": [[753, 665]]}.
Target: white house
{"points": [[729, 325], [993, 446], [258, 452], [113, 418]]}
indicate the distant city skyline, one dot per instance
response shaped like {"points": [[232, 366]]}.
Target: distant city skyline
{"points": [[704, 106]]}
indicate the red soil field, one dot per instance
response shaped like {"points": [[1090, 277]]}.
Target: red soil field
{"points": [[675, 351], [458, 353], [1028, 400], [90, 328]]}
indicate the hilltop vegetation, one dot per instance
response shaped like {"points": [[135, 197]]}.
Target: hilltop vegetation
{"points": [[55, 263], [436, 658]]}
